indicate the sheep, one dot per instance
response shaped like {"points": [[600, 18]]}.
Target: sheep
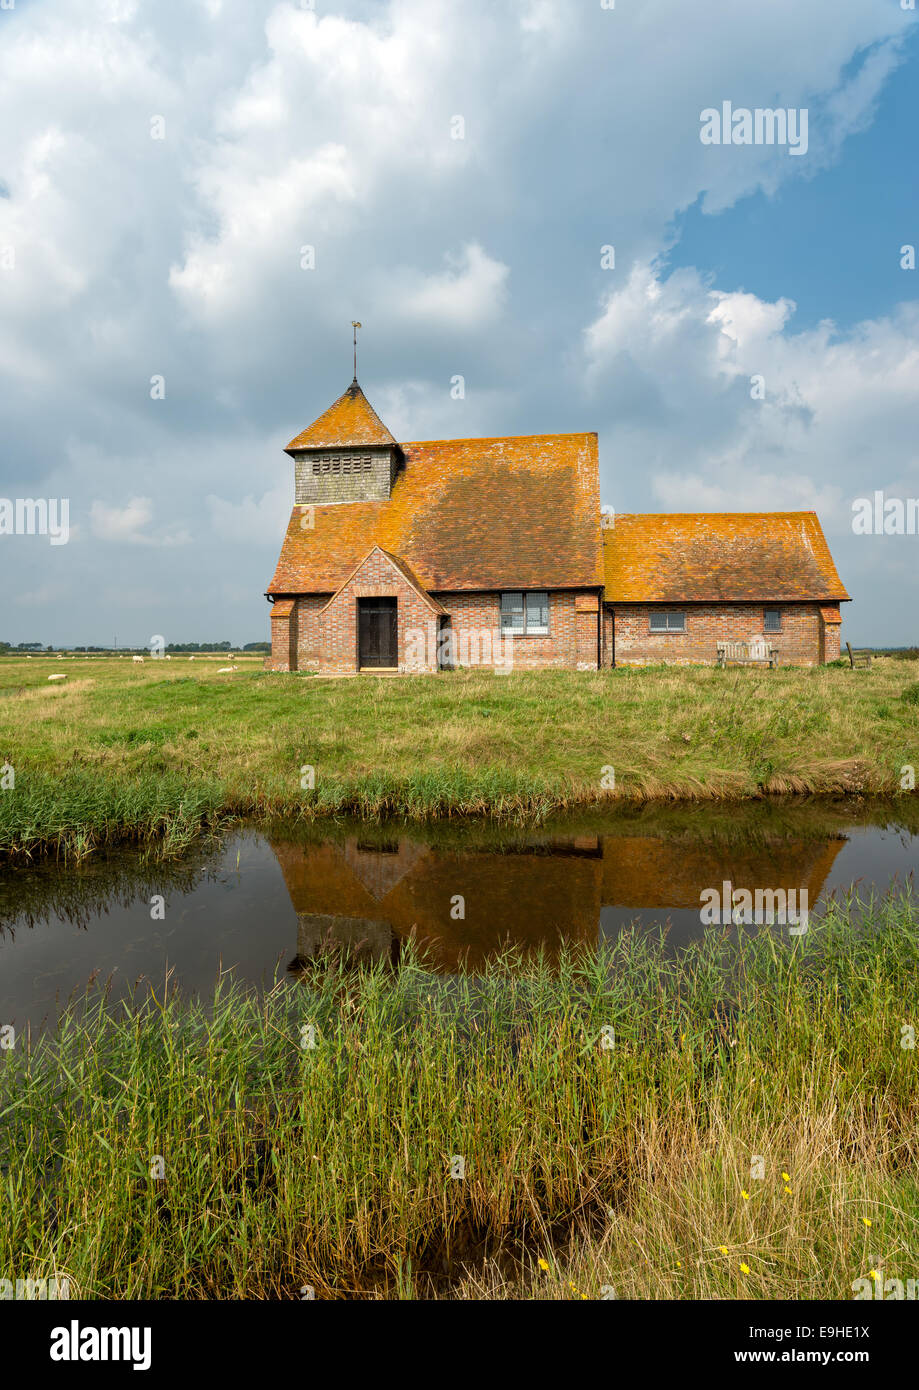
{"points": [[226, 670], [57, 678], [138, 658]]}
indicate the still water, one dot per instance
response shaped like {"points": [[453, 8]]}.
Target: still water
{"points": [[262, 901]]}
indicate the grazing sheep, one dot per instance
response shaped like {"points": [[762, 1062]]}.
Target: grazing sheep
{"points": [[57, 678], [226, 670], [138, 658]]}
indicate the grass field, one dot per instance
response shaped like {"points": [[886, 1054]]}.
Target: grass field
{"points": [[121, 751], [295, 1159]]}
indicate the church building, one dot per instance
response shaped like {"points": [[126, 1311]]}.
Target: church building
{"points": [[414, 557]]}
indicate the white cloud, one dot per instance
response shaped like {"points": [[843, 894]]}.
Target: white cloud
{"points": [[123, 525], [469, 294], [251, 522], [836, 420]]}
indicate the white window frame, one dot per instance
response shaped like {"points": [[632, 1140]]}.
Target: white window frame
{"points": [[659, 615], [530, 628]]}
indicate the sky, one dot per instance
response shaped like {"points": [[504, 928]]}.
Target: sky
{"points": [[198, 196]]}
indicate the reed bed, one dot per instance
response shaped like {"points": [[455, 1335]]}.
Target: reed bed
{"points": [[609, 1113]]}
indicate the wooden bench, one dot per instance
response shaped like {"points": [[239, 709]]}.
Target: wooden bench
{"points": [[860, 657], [747, 654]]}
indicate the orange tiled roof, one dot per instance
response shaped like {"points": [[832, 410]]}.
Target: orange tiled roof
{"points": [[514, 513], [352, 420], [718, 557], [399, 565]]}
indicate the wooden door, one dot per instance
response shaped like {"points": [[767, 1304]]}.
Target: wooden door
{"points": [[377, 629]]}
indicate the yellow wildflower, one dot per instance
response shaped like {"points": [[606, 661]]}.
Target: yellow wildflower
{"points": [[744, 1269], [745, 1195], [867, 1220], [723, 1249], [786, 1177], [543, 1264]]}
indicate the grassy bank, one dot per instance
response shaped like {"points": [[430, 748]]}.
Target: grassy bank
{"points": [[125, 751], [288, 1166]]}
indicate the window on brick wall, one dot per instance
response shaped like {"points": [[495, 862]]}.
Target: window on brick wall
{"points": [[665, 621], [523, 613], [772, 620]]}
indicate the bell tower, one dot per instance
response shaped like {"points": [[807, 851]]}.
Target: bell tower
{"points": [[348, 454]]}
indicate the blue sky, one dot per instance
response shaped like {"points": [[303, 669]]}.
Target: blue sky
{"points": [[831, 242], [286, 125]]}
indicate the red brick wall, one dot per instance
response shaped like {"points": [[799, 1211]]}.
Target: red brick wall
{"points": [[309, 636], [832, 633], [283, 643], [571, 641], [326, 637], [607, 635], [798, 644], [323, 634], [335, 634]]}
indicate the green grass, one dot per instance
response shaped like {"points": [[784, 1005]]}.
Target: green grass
{"points": [[125, 752], [289, 1166]]}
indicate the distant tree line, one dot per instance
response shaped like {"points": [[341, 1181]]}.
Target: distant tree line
{"points": [[170, 647]]}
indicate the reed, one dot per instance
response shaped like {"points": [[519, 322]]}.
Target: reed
{"points": [[586, 1167]]}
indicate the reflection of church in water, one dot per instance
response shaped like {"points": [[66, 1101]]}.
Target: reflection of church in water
{"points": [[366, 899]]}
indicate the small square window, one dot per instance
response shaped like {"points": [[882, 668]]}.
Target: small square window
{"points": [[772, 620], [662, 621]]}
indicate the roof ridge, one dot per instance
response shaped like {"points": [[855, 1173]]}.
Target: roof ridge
{"points": [[499, 438]]}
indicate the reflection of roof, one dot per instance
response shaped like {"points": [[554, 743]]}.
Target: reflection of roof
{"points": [[534, 900], [380, 871], [351, 420], [555, 896], [464, 514], [717, 557], [650, 873]]}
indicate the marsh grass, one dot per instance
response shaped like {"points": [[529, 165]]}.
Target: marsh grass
{"points": [[289, 1166], [131, 753]]}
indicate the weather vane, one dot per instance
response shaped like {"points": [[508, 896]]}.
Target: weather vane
{"points": [[355, 324]]}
